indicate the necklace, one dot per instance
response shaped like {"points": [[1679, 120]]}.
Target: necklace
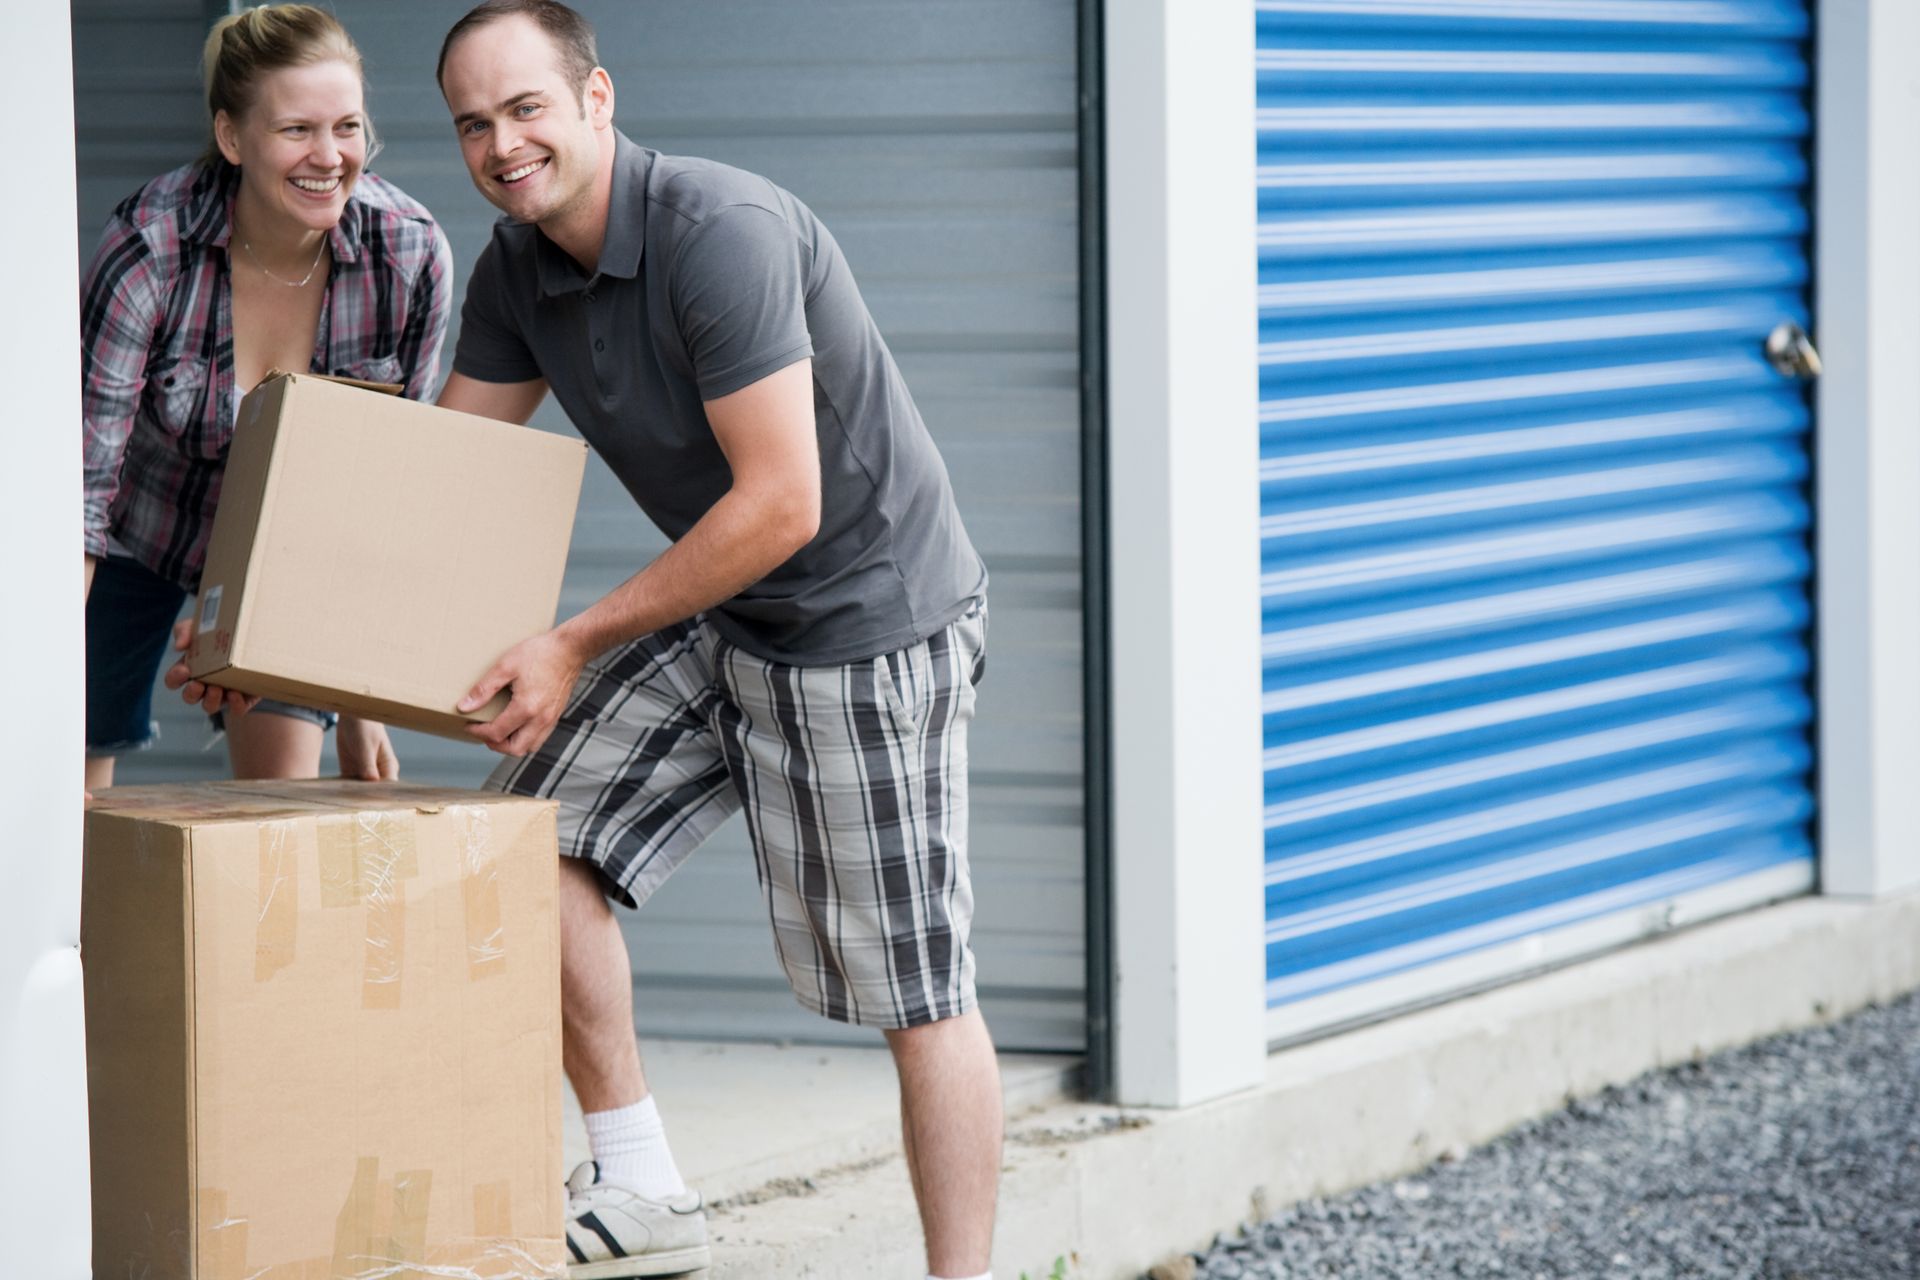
{"points": [[303, 281]]}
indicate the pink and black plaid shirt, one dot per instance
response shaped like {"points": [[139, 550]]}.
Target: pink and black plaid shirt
{"points": [[156, 348]]}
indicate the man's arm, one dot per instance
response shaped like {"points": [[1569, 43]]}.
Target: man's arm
{"points": [[767, 432], [506, 401]]}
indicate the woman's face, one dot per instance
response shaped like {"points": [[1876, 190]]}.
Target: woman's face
{"points": [[301, 145]]}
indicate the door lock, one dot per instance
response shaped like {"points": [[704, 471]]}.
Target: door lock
{"points": [[1790, 351]]}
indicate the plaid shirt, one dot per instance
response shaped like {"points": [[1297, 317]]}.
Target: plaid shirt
{"points": [[156, 348]]}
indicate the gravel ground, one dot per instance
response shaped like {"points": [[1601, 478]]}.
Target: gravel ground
{"points": [[1798, 1157]]}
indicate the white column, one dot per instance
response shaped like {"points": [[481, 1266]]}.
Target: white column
{"points": [[1183, 400], [43, 1124], [1868, 318]]}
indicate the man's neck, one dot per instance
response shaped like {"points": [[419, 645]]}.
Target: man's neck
{"points": [[580, 230]]}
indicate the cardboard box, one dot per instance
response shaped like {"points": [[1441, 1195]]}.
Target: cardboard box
{"points": [[323, 1033], [374, 555]]}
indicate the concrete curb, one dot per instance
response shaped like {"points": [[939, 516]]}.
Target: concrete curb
{"points": [[1115, 1191]]}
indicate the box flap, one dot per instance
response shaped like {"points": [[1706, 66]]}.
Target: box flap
{"points": [[385, 388], [195, 804]]}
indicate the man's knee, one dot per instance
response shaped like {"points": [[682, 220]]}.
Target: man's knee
{"points": [[938, 1036], [583, 893]]}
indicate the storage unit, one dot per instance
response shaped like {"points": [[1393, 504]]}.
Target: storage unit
{"points": [[1534, 503], [939, 142]]}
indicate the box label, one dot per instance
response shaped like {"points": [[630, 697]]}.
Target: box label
{"points": [[210, 609]]}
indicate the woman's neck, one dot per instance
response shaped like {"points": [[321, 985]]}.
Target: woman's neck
{"points": [[277, 242]]}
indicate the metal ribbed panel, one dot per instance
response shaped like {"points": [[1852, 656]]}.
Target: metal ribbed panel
{"points": [[939, 142], [1534, 510]]}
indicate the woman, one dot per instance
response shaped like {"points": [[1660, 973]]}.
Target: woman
{"points": [[276, 250]]}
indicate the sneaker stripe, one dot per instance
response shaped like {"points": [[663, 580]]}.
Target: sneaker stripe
{"points": [[593, 1224], [579, 1254]]}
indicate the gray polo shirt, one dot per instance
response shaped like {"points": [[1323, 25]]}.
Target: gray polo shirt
{"points": [[710, 279]]}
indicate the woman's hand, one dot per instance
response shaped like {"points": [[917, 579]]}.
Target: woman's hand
{"points": [[366, 753], [211, 697]]}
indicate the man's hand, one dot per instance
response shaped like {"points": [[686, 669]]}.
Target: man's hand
{"points": [[211, 697], [366, 753], [540, 673]]}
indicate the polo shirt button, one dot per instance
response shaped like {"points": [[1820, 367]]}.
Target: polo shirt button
{"points": [[589, 295], [599, 344]]}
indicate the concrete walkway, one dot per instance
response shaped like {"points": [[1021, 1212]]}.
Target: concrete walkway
{"points": [[798, 1148], [751, 1122]]}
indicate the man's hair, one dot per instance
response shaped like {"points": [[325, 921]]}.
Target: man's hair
{"points": [[571, 34]]}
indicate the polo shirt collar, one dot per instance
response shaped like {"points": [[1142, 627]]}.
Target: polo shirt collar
{"points": [[626, 235]]}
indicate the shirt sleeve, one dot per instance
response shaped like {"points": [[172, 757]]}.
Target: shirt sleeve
{"points": [[738, 291], [490, 347], [428, 311], [119, 309]]}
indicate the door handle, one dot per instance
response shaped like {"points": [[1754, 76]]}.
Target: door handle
{"points": [[1791, 352]]}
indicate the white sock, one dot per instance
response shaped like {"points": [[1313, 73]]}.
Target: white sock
{"points": [[630, 1146]]}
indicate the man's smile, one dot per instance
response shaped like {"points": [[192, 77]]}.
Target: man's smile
{"points": [[522, 172]]}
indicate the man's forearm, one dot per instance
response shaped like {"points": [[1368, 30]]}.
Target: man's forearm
{"points": [[739, 541]]}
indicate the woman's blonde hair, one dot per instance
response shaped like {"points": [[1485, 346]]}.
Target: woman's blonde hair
{"points": [[246, 45]]}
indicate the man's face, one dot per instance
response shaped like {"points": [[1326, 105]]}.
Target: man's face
{"points": [[528, 140]]}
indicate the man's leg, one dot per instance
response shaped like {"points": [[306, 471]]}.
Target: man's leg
{"points": [[598, 1047], [951, 1121], [854, 784]]}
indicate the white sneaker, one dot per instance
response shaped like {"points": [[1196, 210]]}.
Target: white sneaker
{"points": [[614, 1232]]}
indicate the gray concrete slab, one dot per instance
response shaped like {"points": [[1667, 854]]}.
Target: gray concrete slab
{"points": [[742, 1116]]}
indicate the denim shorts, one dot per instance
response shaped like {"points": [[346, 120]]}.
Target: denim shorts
{"points": [[130, 615]]}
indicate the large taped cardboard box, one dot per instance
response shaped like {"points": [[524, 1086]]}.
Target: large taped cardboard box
{"points": [[374, 555], [323, 1033]]}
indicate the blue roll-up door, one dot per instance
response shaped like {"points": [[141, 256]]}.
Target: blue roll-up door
{"points": [[1535, 507]]}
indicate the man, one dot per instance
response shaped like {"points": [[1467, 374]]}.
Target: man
{"points": [[806, 649]]}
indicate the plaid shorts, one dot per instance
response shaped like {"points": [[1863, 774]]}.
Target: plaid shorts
{"points": [[854, 782]]}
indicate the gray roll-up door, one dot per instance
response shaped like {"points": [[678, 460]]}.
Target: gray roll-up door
{"points": [[938, 141]]}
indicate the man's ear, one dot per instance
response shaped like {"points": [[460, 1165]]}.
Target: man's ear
{"points": [[226, 136], [598, 98]]}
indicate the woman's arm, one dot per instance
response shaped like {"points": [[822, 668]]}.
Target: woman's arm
{"points": [[119, 311], [425, 332]]}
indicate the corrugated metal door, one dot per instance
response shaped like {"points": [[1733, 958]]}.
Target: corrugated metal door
{"points": [[939, 143], [1535, 513]]}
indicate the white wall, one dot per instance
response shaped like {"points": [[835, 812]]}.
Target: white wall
{"points": [[43, 1129], [1183, 392], [1868, 318]]}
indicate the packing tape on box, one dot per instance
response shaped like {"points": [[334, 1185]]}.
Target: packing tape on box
{"points": [[480, 891], [223, 1239], [353, 1227], [365, 859], [407, 1240], [274, 934], [381, 1234], [493, 1210]]}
